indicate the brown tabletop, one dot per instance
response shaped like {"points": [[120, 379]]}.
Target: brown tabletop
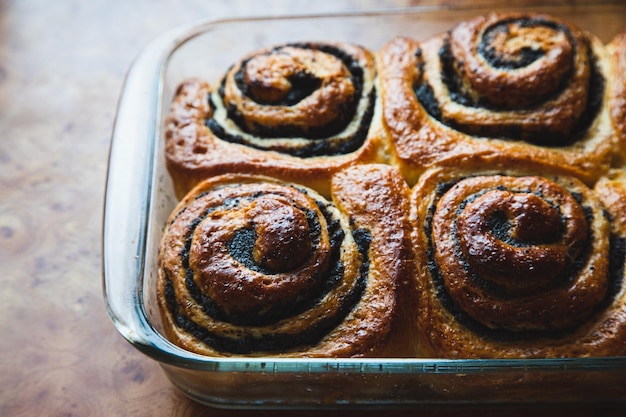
{"points": [[62, 66]]}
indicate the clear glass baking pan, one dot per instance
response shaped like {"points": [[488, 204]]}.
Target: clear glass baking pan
{"points": [[139, 197]]}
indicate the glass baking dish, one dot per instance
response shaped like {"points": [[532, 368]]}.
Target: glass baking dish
{"points": [[139, 197]]}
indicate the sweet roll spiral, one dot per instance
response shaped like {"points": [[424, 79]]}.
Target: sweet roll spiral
{"points": [[528, 85], [290, 111], [516, 265], [250, 265]]}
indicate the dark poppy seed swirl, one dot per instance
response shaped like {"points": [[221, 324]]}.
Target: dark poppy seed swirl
{"points": [[301, 99], [258, 266], [523, 77], [517, 258]]}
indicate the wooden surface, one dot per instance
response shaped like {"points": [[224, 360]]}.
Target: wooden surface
{"points": [[61, 70]]}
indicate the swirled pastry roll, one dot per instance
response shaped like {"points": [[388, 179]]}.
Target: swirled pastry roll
{"points": [[297, 111], [529, 86], [518, 265], [254, 266]]}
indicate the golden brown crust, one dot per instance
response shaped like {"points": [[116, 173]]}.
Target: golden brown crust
{"points": [[313, 120], [380, 203], [222, 291], [617, 53], [486, 291], [461, 94]]}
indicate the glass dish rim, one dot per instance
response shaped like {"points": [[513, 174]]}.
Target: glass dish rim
{"points": [[128, 313]]}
